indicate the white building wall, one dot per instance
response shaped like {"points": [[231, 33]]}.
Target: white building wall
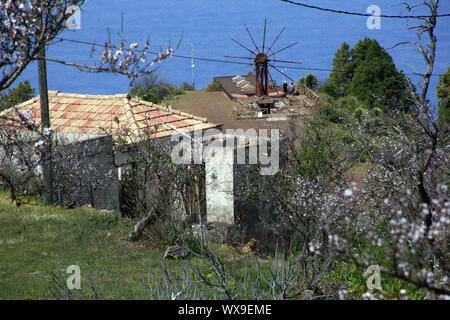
{"points": [[219, 185]]}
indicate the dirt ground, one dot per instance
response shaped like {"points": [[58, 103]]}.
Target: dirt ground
{"points": [[218, 108]]}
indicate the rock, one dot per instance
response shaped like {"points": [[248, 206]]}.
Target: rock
{"points": [[214, 231], [196, 231], [177, 252], [249, 246], [280, 105], [307, 295]]}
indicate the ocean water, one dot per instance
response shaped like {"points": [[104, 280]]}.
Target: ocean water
{"points": [[208, 26]]}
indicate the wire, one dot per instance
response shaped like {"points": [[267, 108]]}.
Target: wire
{"points": [[364, 14], [329, 70], [217, 60], [174, 55]]}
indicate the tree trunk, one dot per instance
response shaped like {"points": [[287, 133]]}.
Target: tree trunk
{"points": [[141, 225]]}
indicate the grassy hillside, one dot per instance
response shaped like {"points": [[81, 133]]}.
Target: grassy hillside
{"points": [[35, 241], [38, 242]]}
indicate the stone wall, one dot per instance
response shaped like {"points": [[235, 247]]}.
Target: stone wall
{"points": [[95, 179]]}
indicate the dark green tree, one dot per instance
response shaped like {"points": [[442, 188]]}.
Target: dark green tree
{"points": [[214, 86], [374, 77], [443, 94], [340, 76], [368, 73], [310, 81], [15, 96]]}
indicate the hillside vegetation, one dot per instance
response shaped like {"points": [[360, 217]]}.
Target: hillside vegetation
{"points": [[38, 243]]}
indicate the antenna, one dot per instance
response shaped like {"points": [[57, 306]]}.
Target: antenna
{"points": [[121, 22], [193, 66]]}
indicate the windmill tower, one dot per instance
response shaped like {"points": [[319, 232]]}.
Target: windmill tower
{"points": [[261, 60]]}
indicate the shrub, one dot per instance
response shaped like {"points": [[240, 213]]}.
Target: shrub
{"points": [[377, 112], [332, 113], [214, 86], [310, 81], [349, 102], [358, 113], [153, 88], [187, 87], [15, 96], [150, 97]]}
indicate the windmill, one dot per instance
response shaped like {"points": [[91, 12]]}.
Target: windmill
{"points": [[261, 57]]}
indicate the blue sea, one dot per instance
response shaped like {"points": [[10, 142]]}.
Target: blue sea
{"points": [[208, 25]]}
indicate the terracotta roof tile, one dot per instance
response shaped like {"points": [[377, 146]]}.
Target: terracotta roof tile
{"points": [[86, 113]]}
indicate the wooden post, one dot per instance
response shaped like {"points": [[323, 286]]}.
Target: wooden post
{"points": [[266, 80], [46, 157]]}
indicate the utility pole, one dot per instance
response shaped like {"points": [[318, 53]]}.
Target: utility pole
{"points": [[193, 66], [121, 23], [46, 156]]}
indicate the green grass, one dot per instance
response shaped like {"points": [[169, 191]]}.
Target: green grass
{"points": [[35, 241]]}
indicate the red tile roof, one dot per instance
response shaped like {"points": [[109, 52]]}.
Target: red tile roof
{"points": [[99, 114]]}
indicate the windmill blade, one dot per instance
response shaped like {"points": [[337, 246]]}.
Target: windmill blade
{"points": [[283, 49], [250, 65], [264, 37], [282, 73], [179, 42], [254, 43], [243, 46], [275, 39], [285, 61], [238, 57]]}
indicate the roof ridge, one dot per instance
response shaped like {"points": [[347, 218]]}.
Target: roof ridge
{"points": [[29, 101], [170, 109], [136, 122], [130, 113], [78, 95]]}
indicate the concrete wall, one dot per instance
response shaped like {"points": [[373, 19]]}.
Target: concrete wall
{"points": [[219, 186], [98, 174]]}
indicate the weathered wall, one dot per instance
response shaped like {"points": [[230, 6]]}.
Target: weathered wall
{"points": [[256, 217], [219, 186], [95, 178]]}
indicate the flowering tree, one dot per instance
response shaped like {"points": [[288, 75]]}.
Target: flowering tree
{"points": [[81, 171], [400, 212], [397, 216], [29, 25], [426, 47], [21, 146], [154, 189], [304, 197]]}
